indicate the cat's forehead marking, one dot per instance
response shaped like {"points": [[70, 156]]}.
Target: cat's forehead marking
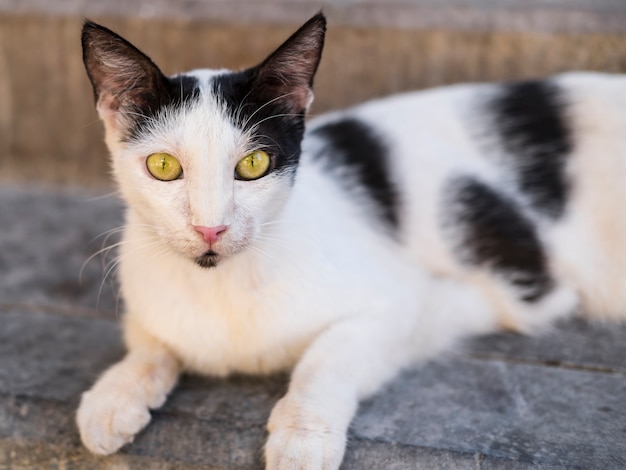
{"points": [[179, 91], [205, 76], [262, 115], [184, 92], [188, 112], [205, 107], [198, 133]]}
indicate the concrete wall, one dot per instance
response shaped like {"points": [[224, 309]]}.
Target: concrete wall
{"points": [[49, 130]]}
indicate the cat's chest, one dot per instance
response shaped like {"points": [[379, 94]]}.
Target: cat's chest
{"points": [[241, 321]]}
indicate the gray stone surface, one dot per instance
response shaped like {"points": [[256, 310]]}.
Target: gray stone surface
{"points": [[505, 410], [53, 356], [576, 344], [503, 402], [47, 238]]}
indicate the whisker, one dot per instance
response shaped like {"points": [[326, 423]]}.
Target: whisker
{"points": [[107, 233], [245, 124], [278, 232], [164, 249], [256, 140], [276, 116], [121, 228], [105, 250], [102, 250], [102, 196], [256, 249], [89, 124], [143, 246], [241, 105], [290, 269], [112, 265]]}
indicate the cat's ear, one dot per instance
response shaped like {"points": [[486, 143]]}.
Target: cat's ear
{"points": [[124, 79], [288, 72]]}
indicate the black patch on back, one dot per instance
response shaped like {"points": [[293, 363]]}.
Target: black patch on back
{"points": [[276, 128], [530, 119], [496, 235], [176, 92], [352, 143]]}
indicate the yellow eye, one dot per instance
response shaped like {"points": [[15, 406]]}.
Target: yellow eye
{"points": [[164, 167], [253, 166]]}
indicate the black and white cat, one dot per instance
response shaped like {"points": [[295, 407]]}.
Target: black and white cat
{"points": [[378, 237]]}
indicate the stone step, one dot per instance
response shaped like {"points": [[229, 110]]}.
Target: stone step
{"points": [[501, 402], [49, 130]]}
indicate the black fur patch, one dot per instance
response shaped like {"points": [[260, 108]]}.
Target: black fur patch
{"points": [[496, 235], [276, 128], [530, 119], [352, 143], [209, 259], [128, 81], [270, 100], [176, 91]]}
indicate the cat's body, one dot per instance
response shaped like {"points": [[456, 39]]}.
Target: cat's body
{"points": [[404, 225]]}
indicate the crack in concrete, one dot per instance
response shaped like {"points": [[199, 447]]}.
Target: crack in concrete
{"points": [[59, 310], [547, 363]]}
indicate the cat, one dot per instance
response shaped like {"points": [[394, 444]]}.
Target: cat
{"points": [[381, 236]]}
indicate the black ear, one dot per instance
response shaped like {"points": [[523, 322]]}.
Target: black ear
{"points": [[123, 77], [288, 72]]}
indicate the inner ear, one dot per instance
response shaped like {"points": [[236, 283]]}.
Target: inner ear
{"points": [[124, 79], [287, 74]]}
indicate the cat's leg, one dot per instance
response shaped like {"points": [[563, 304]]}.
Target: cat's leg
{"points": [[117, 406], [353, 359], [308, 425]]}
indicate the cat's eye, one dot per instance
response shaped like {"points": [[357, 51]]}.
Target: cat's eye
{"points": [[253, 166], [164, 167]]}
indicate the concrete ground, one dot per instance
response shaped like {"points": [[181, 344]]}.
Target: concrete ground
{"points": [[502, 402]]}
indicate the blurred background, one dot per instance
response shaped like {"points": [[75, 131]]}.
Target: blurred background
{"points": [[48, 126]]}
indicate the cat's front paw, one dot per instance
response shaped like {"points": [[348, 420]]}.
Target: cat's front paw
{"points": [[302, 440], [109, 417]]}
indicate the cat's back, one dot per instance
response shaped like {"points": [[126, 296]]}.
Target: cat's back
{"points": [[544, 160], [473, 124]]}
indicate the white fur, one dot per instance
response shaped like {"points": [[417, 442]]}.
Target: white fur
{"points": [[310, 282]]}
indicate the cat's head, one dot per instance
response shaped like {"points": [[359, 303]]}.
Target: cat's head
{"points": [[204, 158]]}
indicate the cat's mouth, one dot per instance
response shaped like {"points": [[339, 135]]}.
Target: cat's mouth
{"points": [[208, 259]]}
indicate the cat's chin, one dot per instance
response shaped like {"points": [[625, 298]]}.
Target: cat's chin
{"points": [[209, 259]]}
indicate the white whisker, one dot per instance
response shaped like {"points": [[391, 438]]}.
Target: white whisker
{"points": [[112, 265], [245, 124], [102, 196], [276, 116]]}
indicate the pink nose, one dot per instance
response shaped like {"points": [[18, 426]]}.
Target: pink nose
{"points": [[211, 234]]}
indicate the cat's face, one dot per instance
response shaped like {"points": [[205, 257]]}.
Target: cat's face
{"points": [[206, 158]]}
